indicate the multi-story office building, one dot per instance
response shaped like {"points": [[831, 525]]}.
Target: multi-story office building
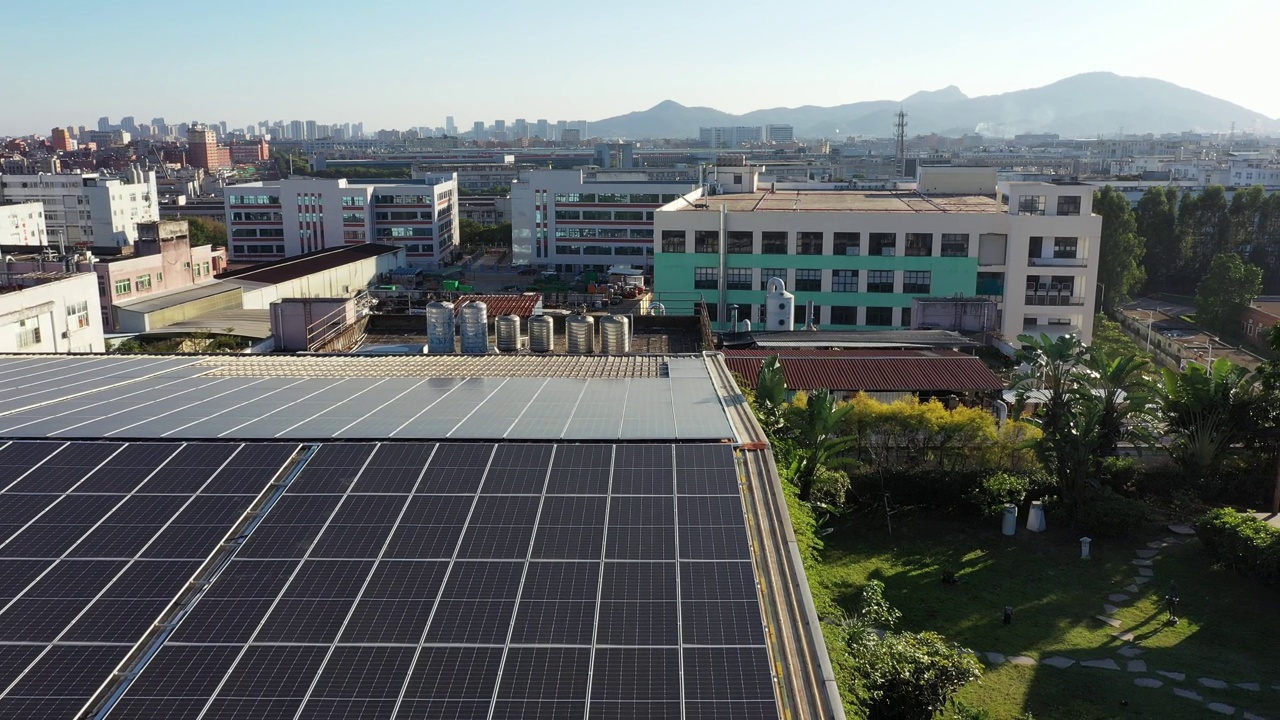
{"points": [[779, 133], [203, 150], [90, 208], [542, 129], [22, 225], [450, 128], [61, 139], [729, 137], [275, 220], [571, 220], [863, 256], [477, 131]]}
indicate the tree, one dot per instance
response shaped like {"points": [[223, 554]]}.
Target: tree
{"points": [[206, 231], [1120, 267], [1125, 397], [1225, 292], [816, 424], [1265, 249], [771, 394], [902, 675], [1157, 219], [1206, 411], [1204, 223]]}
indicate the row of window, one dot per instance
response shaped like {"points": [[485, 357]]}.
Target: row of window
{"points": [[399, 232], [28, 333], [605, 233], [617, 198], [601, 250], [1063, 248], [253, 199], [914, 282], [403, 215], [257, 233], [874, 316], [354, 235], [258, 249], [78, 314], [618, 215], [1035, 204], [349, 201], [814, 243], [404, 199], [256, 217]]}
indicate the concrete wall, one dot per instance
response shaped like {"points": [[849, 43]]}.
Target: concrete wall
{"points": [[36, 318]]}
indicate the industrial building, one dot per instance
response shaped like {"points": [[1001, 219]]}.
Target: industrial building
{"points": [[864, 257], [286, 218], [429, 537], [94, 209], [50, 312], [22, 226]]}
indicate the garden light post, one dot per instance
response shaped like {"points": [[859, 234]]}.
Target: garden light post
{"points": [[1171, 603]]}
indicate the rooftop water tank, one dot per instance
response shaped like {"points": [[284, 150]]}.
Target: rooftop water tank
{"points": [[581, 334], [542, 334], [440, 327], [508, 332], [780, 307], [615, 335], [475, 328]]}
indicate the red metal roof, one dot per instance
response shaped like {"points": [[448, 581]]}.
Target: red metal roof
{"points": [[522, 305], [953, 372], [799, 352]]}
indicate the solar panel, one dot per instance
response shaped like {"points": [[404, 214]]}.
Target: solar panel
{"points": [[461, 580]]}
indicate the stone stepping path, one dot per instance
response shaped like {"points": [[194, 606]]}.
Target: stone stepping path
{"points": [[1146, 573]]}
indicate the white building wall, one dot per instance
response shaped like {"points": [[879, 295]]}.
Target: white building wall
{"points": [[340, 282], [56, 317], [91, 208], [23, 225]]}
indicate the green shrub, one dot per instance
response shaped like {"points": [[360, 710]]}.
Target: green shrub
{"points": [[995, 490], [1242, 542], [1108, 515]]}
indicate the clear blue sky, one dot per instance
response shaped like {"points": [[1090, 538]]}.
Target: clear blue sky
{"points": [[400, 63]]}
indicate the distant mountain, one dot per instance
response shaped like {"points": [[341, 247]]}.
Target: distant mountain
{"points": [[1079, 106]]}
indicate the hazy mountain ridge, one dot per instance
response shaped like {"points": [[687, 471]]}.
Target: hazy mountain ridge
{"points": [[1079, 106]]}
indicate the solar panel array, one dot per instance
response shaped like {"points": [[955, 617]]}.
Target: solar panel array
{"points": [[33, 380], [480, 581], [177, 405], [96, 541]]}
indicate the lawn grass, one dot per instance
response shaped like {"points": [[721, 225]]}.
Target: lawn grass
{"points": [[1228, 628]]}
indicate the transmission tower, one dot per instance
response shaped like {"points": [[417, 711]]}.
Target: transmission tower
{"points": [[900, 139]]}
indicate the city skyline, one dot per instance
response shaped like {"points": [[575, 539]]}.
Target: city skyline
{"points": [[536, 76]]}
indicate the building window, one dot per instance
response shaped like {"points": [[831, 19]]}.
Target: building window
{"points": [[844, 281], [882, 244], [28, 333], [706, 241], [353, 235], [809, 280], [738, 279], [78, 314], [955, 244], [844, 314], [1035, 247], [773, 243], [123, 287], [916, 282], [353, 201], [1030, 204], [880, 316], [354, 217], [1065, 247], [906, 317], [706, 278], [879, 281], [846, 243], [143, 282], [767, 274], [1069, 205], [740, 242], [809, 243], [673, 241], [919, 244]]}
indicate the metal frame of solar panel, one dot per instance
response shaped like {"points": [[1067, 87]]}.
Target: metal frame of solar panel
{"points": [[96, 542], [480, 581]]}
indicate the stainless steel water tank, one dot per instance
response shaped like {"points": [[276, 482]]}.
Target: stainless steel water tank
{"points": [[615, 335], [508, 332], [475, 328], [440, 327], [542, 334], [581, 334]]}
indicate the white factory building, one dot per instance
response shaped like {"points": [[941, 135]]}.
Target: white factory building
{"points": [[22, 225], [50, 312], [573, 220], [286, 218], [91, 208]]}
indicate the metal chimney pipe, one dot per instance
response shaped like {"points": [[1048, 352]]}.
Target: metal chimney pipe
{"points": [[808, 316]]}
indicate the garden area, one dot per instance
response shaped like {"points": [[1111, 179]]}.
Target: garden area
{"points": [[929, 610]]}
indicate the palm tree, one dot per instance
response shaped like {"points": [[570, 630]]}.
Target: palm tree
{"points": [[817, 429], [771, 393], [1126, 397], [1206, 411]]}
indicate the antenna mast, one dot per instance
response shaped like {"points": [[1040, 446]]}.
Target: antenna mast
{"points": [[900, 138]]}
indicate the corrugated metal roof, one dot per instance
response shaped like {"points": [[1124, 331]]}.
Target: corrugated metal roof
{"points": [[523, 305], [957, 373], [861, 338], [245, 323], [279, 271], [787, 352], [170, 298]]}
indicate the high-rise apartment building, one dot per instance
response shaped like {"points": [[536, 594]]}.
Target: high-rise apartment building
{"points": [[450, 129], [779, 133], [128, 124], [729, 137], [310, 130], [203, 150], [477, 131], [104, 124], [296, 130], [61, 139], [561, 126], [274, 220], [520, 129], [542, 129]]}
